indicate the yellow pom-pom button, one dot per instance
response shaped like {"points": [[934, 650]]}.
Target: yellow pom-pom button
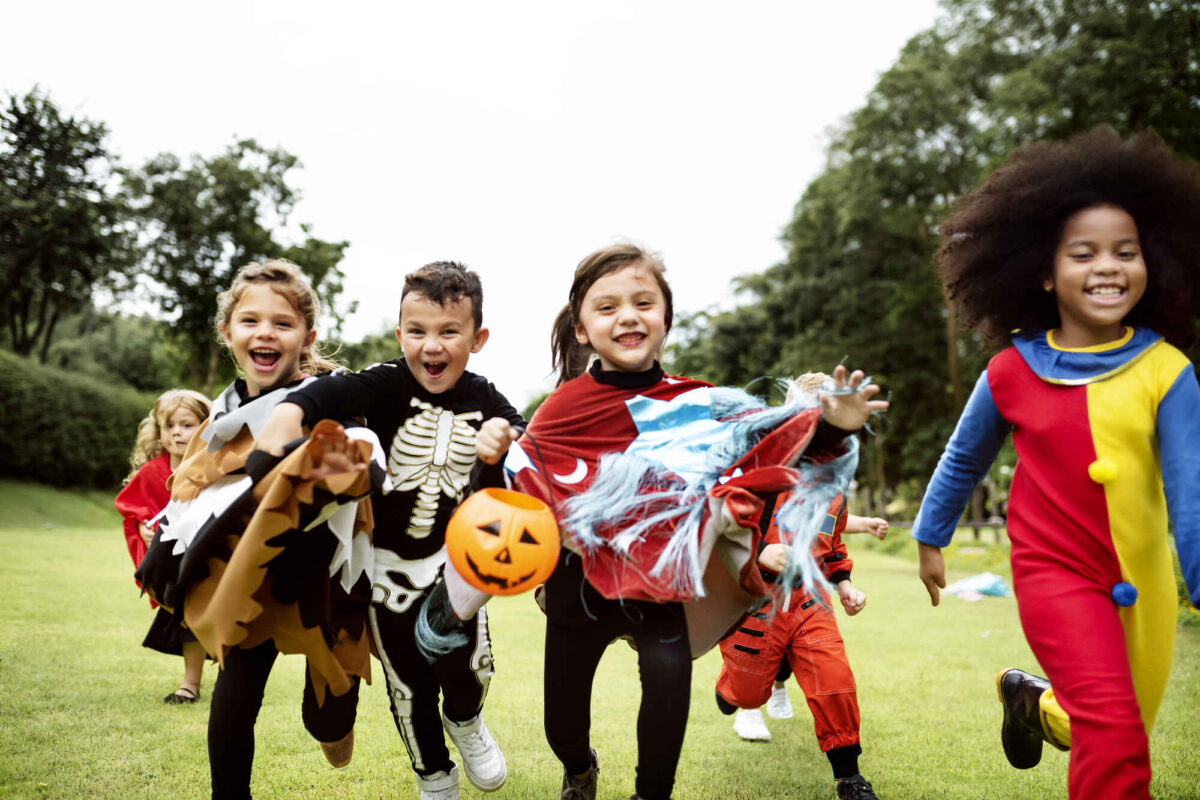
{"points": [[1103, 470]]}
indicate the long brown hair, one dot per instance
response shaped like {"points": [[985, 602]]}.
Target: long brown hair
{"points": [[285, 278], [570, 357]]}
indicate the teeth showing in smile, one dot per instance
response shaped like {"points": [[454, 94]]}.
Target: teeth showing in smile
{"points": [[263, 357], [1106, 291]]}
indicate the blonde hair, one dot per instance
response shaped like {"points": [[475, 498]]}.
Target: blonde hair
{"points": [[148, 444], [809, 383], [285, 278]]}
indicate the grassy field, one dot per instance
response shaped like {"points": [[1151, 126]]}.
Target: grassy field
{"points": [[80, 710]]}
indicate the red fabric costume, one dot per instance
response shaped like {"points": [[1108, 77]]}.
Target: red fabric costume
{"points": [[143, 497], [807, 635]]}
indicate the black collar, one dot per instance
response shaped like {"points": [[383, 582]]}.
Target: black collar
{"points": [[626, 380]]}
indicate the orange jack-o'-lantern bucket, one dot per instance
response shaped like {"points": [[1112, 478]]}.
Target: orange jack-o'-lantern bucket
{"points": [[503, 542]]}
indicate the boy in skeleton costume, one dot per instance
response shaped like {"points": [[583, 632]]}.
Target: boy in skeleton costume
{"points": [[426, 410]]}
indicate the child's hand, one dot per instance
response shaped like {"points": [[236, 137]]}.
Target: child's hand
{"points": [[852, 599], [876, 526], [932, 570], [493, 439], [145, 533], [850, 411], [774, 557], [332, 453]]}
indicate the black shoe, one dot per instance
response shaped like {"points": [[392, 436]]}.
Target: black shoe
{"points": [[856, 787], [1021, 732], [581, 788]]}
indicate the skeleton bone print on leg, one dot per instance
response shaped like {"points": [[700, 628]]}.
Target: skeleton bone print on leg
{"points": [[434, 451]]}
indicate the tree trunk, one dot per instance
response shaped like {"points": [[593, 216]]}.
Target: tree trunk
{"points": [[214, 360], [952, 356], [48, 336]]}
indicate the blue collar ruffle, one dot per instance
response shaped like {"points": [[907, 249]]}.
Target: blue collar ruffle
{"points": [[1086, 365]]}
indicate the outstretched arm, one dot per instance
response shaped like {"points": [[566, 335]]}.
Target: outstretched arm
{"points": [[285, 424], [876, 526]]}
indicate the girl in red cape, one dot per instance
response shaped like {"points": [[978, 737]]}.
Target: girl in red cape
{"points": [[624, 570], [161, 439]]}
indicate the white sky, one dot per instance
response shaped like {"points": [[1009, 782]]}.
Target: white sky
{"points": [[516, 137]]}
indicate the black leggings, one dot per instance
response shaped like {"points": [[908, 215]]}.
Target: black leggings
{"points": [[236, 699], [665, 666]]}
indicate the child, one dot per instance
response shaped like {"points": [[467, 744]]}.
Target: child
{"points": [[620, 309], [253, 567], [161, 439], [805, 633], [1088, 249], [430, 410], [748, 723]]}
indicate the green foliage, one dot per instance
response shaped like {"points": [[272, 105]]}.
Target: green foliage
{"points": [[136, 350], [372, 349], [61, 232], [65, 429], [204, 220], [857, 281]]}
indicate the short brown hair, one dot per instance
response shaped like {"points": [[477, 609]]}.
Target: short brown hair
{"points": [[445, 283]]}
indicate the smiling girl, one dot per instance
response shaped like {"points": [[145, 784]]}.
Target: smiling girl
{"points": [[248, 590], [1088, 248], [161, 440], [619, 311]]}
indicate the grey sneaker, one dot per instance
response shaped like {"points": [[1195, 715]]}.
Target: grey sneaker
{"points": [[581, 788], [482, 760], [439, 785]]}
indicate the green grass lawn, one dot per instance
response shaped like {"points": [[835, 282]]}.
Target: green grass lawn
{"points": [[81, 712]]}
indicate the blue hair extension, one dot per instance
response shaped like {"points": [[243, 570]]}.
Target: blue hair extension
{"points": [[438, 631], [638, 498]]}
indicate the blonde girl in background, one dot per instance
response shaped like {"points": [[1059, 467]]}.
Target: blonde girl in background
{"points": [[161, 439]]}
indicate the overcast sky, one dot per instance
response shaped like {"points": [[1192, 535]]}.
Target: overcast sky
{"points": [[516, 137]]}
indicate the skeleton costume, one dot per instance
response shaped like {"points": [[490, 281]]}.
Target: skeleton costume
{"points": [[430, 440]]}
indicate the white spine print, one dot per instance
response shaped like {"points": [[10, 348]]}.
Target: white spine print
{"points": [[433, 453]]}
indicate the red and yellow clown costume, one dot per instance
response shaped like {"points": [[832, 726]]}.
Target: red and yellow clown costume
{"points": [[1108, 441], [805, 632]]}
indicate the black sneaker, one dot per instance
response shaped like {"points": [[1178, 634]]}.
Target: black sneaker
{"points": [[856, 787], [1021, 731], [581, 788]]}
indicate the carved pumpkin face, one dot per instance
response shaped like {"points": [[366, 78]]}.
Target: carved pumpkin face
{"points": [[503, 542]]}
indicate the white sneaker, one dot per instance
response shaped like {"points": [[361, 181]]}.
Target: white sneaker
{"points": [[780, 705], [748, 723], [482, 760], [440, 785]]}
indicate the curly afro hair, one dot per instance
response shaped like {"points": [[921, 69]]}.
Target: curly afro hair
{"points": [[999, 241]]}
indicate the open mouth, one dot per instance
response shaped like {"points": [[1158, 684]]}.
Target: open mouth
{"points": [[435, 370], [263, 358], [631, 339]]}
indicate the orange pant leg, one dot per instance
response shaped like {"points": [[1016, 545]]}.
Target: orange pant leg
{"points": [[818, 658], [750, 657]]}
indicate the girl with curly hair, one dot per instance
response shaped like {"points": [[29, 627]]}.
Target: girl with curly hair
{"points": [[162, 437], [1081, 256]]}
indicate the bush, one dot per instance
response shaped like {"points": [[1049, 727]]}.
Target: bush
{"points": [[65, 429]]}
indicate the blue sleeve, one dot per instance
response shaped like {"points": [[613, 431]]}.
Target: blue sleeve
{"points": [[968, 455], [1179, 448]]}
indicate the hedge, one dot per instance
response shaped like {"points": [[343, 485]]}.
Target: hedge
{"points": [[65, 429]]}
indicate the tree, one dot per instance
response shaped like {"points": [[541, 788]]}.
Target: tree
{"points": [[62, 233], [206, 219], [858, 279]]}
